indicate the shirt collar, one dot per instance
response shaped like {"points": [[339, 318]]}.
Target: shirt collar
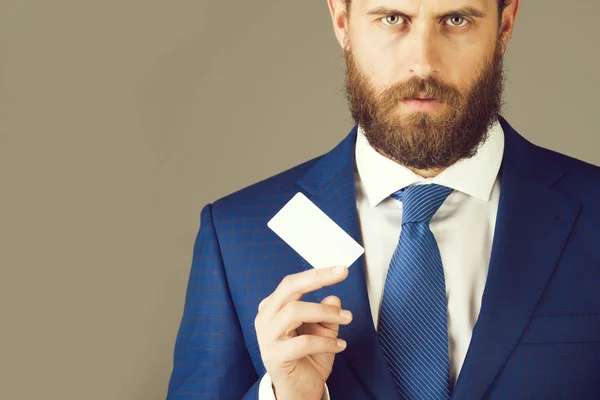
{"points": [[475, 176]]}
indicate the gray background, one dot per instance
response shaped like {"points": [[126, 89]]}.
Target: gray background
{"points": [[120, 119]]}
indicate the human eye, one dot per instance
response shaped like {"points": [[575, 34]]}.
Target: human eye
{"points": [[457, 21], [393, 20]]}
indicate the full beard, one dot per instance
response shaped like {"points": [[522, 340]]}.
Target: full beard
{"points": [[427, 140]]}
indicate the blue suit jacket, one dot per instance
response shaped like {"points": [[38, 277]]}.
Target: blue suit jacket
{"points": [[538, 332]]}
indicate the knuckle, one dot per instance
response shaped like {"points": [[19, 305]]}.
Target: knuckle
{"points": [[286, 283], [257, 321], [330, 310], [260, 327], [293, 307], [262, 303], [320, 272], [259, 334], [290, 310]]}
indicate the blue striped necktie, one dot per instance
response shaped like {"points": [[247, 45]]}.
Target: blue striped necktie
{"points": [[413, 327]]}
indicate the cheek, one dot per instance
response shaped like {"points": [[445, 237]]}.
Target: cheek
{"points": [[382, 62], [463, 60], [462, 70], [385, 68]]}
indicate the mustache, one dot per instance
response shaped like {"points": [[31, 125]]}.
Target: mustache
{"points": [[430, 87]]}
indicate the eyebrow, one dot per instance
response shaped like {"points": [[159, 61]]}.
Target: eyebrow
{"points": [[466, 11]]}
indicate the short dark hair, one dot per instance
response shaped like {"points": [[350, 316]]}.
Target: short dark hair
{"points": [[502, 4]]}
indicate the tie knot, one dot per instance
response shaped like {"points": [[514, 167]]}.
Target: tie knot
{"points": [[420, 203]]}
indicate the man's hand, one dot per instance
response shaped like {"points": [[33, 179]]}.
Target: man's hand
{"points": [[298, 340]]}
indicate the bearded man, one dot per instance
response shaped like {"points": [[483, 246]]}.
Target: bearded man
{"points": [[481, 271]]}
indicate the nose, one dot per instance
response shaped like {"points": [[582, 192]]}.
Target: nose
{"points": [[421, 69], [422, 52]]}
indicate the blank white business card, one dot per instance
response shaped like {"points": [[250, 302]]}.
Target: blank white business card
{"points": [[313, 235]]}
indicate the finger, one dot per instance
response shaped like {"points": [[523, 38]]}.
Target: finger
{"points": [[332, 301], [329, 329], [317, 330], [335, 302], [296, 313], [294, 286], [304, 345]]}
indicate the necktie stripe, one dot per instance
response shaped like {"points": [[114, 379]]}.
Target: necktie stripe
{"points": [[421, 212], [409, 348], [419, 318], [420, 263], [400, 323], [425, 207], [423, 261], [411, 344], [413, 323], [397, 376], [416, 302], [421, 380]]}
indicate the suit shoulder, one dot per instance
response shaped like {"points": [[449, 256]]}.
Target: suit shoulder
{"points": [[572, 166], [579, 179]]}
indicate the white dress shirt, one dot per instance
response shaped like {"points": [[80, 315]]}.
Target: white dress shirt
{"points": [[463, 228]]}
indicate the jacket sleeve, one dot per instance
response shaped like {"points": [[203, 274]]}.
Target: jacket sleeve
{"points": [[211, 360]]}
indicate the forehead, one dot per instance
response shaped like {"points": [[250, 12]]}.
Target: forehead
{"points": [[418, 7]]}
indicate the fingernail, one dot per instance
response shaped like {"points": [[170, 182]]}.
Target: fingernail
{"points": [[345, 314], [341, 343], [338, 270]]}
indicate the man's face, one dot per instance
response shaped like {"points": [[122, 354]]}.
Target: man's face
{"points": [[424, 77]]}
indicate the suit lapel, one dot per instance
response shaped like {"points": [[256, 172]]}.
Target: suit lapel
{"points": [[532, 226], [330, 185]]}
